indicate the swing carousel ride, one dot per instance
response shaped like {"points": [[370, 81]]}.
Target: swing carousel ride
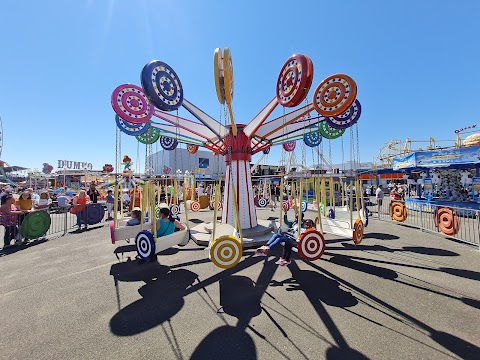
{"points": [[161, 95]]}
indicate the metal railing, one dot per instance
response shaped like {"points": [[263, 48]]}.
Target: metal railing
{"points": [[421, 215], [62, 221]]}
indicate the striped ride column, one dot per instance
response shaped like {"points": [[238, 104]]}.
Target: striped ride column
{"points": [[237, 160]]}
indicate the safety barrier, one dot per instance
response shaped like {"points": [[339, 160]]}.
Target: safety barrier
{"points": [[455, 222]]}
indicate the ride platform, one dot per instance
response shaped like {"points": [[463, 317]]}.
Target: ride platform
{"points": [[254, 237]]}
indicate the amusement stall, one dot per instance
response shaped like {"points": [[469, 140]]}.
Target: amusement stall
{"points": [[447, 185]]}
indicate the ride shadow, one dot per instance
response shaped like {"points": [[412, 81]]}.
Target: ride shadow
{"points": [[413, 249], [162, 296], [347, 262], [467, 274], [129, 271], [23, 246], [429, 251], [240, 297], [317, 287], [380, 236], [196, 221]]}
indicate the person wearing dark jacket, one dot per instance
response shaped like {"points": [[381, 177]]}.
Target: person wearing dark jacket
{"points": [[93, 193]]}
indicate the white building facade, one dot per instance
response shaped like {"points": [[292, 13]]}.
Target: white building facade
{"points": [[204, 163]]}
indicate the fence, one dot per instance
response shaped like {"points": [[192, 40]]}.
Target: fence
{"points": [[62, 221], [422, 216]]}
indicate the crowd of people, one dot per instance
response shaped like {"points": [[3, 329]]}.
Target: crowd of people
{"points": [[16, 204], [14, 207]]}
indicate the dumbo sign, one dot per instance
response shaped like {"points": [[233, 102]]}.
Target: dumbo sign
{"points": [[76, 165]]}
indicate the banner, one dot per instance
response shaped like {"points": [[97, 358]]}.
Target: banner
{"points": [[428, 189], [404, 162], [438, 158], [476, 189]]}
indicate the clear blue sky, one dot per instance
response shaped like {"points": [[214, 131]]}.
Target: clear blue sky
{"points": [[415, 64]]}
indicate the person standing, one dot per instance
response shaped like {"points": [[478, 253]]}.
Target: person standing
{"points": [[79, 203], [9, 219], [24, 203], [200, 191], [93, 193], [379, 196], [34, 196], [110, 201]]}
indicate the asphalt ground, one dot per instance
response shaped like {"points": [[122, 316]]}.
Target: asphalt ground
{"points": [[401, 294]]}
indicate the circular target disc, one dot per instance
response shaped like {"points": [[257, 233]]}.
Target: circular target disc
{"points": [[218, 75], [294, 80], [329, 132], [448, 221], [130, 103], [285, 205], [312, 139], [168, 143], [228, 75], [192, 149], [358, 231], [131, 128], [348, 118], [334, 95], [175, 209], [195, 206], [304, 205], [226, 252], [262, 202], [162, 86], [94, 213], [212, 205], [35, 224], [312, 245], [150, 136], [289, 146], [145, 245], [331, 213]]}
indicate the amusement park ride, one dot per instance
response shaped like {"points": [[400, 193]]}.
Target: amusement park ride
{"points": [[395, 148], [161, 95]]}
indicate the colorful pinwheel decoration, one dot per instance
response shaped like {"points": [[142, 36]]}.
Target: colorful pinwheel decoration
{"points": [[127, 162], [108, 168], [47, 168]]}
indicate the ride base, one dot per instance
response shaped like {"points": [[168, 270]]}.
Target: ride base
{"points": [[252, 237]]}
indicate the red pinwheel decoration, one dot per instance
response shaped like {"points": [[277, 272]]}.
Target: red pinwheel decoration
{"points": [[47, 168], [108, 168]]}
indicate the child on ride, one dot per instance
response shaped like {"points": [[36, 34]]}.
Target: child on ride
{"points": [[136, 218], [166, 224], [287, 249], [287, 236]]}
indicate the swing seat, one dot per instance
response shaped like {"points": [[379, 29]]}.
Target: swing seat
{"points": [[147, 247], [225, 250], [124, 232], [204, 201]]}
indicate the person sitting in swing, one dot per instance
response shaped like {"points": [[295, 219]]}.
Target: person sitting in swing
{"points": [[287, 236], [288, 246], [167, 224]]}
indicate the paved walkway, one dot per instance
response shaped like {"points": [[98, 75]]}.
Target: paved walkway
{"points": [[401, 294]]}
